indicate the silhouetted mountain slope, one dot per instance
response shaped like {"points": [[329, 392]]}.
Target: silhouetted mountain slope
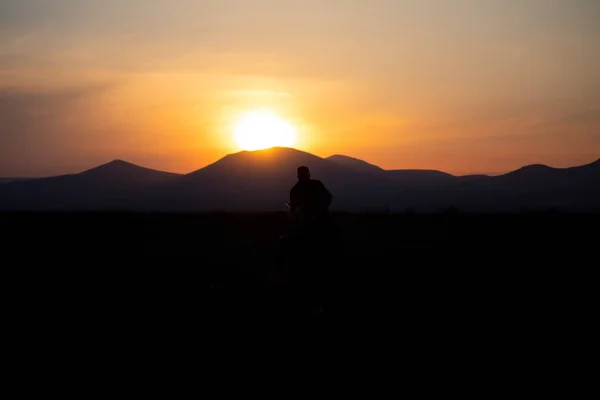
{"points": [[407, 177], [261, 180], [115, 185], [355, 164], [420, 178], [470, 178], [124, 172], [531, 187], [274, 163], [7, 180]]}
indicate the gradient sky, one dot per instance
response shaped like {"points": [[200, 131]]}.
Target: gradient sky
{"points": [[463, 86]]}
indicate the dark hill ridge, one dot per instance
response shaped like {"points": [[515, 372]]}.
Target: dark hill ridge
{"points": [[7, 180], [124, 172], [405, 176], [541, 168], [114, 185], [421, 178], [277, 161], [354, 164], [534, 186], [261, 180]]}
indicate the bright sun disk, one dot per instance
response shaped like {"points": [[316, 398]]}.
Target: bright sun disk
{"points": [[257, 130]]}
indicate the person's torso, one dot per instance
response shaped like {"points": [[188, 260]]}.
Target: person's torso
{"points": [[309, 195], [310, 204]]}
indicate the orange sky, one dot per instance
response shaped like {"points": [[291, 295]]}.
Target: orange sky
{"points": [[461, 86]]}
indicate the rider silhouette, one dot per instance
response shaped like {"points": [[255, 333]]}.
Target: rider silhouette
{"points": [[303, 252], [309, 201], [309, 204]]}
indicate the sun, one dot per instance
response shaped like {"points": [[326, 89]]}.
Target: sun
{"points": [[257, 130]]}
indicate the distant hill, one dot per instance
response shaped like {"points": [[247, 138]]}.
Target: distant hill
{"points": [[125, 173], [355, 164], [407, 177], [7, 180], [261, 180], [534, 187], [421, 178], [115, 185]]}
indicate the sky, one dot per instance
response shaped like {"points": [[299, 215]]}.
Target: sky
{"points": [[462, 86]]}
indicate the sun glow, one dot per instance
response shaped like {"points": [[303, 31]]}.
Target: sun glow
{"points": [[257, 130]]}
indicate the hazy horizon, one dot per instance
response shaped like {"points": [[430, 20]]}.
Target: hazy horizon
{"points": [[461, 86], [489, 173]]}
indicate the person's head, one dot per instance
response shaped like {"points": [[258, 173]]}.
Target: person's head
{"points": [[303, 173]]}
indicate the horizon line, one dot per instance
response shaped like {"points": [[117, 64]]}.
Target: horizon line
{"points": [[292, 148]]}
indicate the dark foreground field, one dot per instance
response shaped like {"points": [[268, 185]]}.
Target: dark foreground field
{"points": [[382, 259], [113, 283]]}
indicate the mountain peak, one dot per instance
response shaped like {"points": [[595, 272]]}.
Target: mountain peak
{"points": [[274, 161], [277, 150], [114, 165], [118, 162], [269, 153], [120, 170], [533, 171], [536, 167]]}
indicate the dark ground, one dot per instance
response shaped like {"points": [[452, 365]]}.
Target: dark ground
{"points": [[483, 289], [473, 274], [382, 259], [492, 289]]}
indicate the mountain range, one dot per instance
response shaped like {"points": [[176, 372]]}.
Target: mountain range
{"points": [[261, 180]]}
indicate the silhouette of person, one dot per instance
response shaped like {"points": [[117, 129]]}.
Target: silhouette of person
{"points": [[309, 204], [303, 251], [309, 200]]}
